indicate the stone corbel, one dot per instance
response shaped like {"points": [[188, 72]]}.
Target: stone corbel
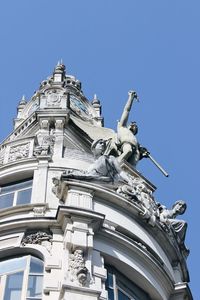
{"points": [[60, 189], [59, 124], [44, 124]]}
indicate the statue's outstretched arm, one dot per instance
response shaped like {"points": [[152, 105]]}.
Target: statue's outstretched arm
{"points": [[124, 117]]}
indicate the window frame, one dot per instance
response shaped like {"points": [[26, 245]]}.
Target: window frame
{"points": [[29, 186], [121, 283], [26, 275]]}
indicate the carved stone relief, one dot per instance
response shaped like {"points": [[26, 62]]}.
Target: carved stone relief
{"points": [[77, 269], [38, 238], [140, 194], [39, 211], [53, 98], [46, 146], [19, 152]]}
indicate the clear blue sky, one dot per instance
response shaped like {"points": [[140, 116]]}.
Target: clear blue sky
{"points": [[112, 46]]}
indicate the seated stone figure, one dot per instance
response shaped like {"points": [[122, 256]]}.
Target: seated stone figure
{"points": [[105, 167], [167, 217]]}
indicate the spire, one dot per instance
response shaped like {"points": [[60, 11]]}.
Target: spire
{"points": [[21, 104], [97, 105]]}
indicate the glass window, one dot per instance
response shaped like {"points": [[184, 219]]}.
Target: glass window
{"points": [[24, 196], [121, 288], [18, 193], [21, 278], [6, 200], [13, 288]]}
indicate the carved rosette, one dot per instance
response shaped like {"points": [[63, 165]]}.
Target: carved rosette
{"points": [[77, 269], [53, 98]]}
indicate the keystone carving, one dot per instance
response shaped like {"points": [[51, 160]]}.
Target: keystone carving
{"points": [[38, 238]]}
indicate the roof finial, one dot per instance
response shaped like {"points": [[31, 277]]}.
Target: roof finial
{"points": [[23, 100], [95, 100], [59, 72]]}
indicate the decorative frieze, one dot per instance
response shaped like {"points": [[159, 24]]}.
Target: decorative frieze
{"points": [[19, 152]]}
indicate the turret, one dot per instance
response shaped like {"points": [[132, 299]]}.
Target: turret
{"points": [[20, 107]]}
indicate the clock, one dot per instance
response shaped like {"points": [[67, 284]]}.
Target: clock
{"points": [[78, 105]]}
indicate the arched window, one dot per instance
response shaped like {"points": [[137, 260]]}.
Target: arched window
{"points": [[21, 278], [16, 193], [121, 288]]}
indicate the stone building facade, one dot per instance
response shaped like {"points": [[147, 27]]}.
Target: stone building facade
{"points": [[76, 222]]}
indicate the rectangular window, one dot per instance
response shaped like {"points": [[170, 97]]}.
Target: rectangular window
{"points": [[14, 286], [21, 276], [34, 286], [18, 193], [121, 288]]}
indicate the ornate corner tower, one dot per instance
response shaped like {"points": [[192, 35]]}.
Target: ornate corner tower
{"points": [[77, 220]]}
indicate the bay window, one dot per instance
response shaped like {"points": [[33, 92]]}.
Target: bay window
{"points": [[21, 278]]}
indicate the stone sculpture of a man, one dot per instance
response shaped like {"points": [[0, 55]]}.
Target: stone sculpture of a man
{"points": [[126, 135]]}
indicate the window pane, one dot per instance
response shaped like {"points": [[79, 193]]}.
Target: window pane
{"points": [[36, 265], [12, 265], [110, 294], [109, 282], [34, 286], [6, 200], [122, 296], [24, 197], [16, 186], [13, 286]]}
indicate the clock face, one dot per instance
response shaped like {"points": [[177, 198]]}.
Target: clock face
{"points": [[78, 105]]}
